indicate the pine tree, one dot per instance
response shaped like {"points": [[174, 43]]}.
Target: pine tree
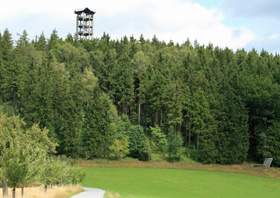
{"points": [[41, 44]]}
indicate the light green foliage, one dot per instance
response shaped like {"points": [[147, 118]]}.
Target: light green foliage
{"points": [[60, 172], [158, 140], [25, 156], [89, 81], [119, 148], [23, 150], [53, 41], [120, 145], [51, 172]]}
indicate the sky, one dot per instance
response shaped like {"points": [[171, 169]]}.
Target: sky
{"points": [[226, 23]]}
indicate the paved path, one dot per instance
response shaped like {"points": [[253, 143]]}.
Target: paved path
{"points": [[90, 193]]}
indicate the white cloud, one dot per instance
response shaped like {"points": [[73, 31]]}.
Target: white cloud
{"points": [[169, 19], [270, 42]]}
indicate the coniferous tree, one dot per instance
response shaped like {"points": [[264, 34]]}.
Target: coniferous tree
{"points": [[224, 104], [41, 44]]}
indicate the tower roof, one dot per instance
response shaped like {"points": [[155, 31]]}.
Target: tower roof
{"points": [[86, 10]]}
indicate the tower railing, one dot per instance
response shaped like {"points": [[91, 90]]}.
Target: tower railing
{"points": [[84, 23]]}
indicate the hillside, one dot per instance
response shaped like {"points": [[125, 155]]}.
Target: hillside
{"points": [[107, 98]]}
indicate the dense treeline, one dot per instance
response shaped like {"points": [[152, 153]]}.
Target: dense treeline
{"points": [[107, 98]]}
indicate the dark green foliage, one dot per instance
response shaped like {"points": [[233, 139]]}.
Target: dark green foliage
{"points": [[97, 135], [235, 124], [207, 152], [138, 143], [225, 105], [268, 142], [174, 147]]}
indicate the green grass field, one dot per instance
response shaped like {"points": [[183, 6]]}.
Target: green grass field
{"points": [[180, 183]]}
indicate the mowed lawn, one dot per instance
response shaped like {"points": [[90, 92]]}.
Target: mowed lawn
{"points": [[180, 183]]}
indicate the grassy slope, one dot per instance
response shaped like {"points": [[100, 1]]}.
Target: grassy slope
{"points": [[173, 183]]}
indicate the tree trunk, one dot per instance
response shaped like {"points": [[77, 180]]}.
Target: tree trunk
{"points": [[22, 192], [197, 142], [187, 134], [139, 113], [46, 188], [157, 118], [190, 130], [189, 138], [160, 122], [14, 192], [5, 188]]}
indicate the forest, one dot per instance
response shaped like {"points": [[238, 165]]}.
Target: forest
{"points": [[144, 98]]}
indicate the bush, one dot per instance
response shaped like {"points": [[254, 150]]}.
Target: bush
{"points": [[207, 152], [119, 149], [60, 172], [74, 175], [139, 146], [268, 144], [174, 148], [158, 140]]}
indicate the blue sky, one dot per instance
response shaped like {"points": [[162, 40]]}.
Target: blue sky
{"points": [[232, 23]]}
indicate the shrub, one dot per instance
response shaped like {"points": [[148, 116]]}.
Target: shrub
{"points": [[74, 175], [174, 148], [268, 144], [139, 146], [207, 152], [60, 172], [159, 140], [22, 151], [119, 148]]}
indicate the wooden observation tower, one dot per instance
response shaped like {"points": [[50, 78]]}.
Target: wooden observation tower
{"points": [[84, 23]]}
